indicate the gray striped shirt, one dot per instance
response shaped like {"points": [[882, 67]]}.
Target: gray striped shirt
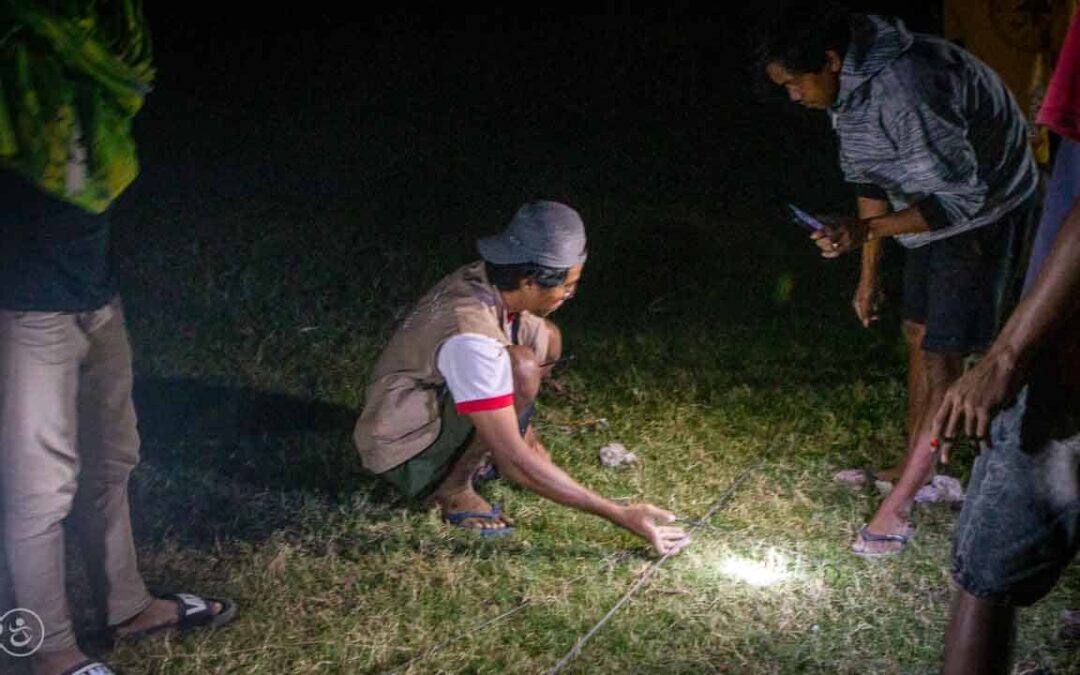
{"points": [[931, 125]]}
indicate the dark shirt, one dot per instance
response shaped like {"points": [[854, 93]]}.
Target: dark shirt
{"points": [[54, 256]]}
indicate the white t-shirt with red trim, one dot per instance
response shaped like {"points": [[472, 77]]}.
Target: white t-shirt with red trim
{"points": [[477, 372]]}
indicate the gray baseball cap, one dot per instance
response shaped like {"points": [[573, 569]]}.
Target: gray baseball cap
{"points": [[542, 232]]}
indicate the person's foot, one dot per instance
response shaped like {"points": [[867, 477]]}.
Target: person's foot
{"points": [[159, 614], [56, 663], [467, 501], [887, 535]]}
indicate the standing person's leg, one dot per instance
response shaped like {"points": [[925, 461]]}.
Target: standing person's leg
{"points": [[967, 281], [918, 384], [55, 367], [109, 447], [40, 357], [914, 307], [893, 516], [918, 390], [980, 637], [108, 443]]}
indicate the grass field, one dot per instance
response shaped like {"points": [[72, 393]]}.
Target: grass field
{"points": [[254, 338]]}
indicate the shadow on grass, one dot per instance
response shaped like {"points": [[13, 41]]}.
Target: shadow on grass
{"points": [[221, 462], [176, 409]]}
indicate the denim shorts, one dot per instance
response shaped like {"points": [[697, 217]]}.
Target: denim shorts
{"points": [[1020, 526]]}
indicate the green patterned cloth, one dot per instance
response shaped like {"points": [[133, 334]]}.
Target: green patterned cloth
{"points": [[73, 73]]}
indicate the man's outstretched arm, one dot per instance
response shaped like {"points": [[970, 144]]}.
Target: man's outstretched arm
{"points": [[498, 429]]}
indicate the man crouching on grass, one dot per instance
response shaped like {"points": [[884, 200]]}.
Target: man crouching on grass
{"points": [[455, 387]]}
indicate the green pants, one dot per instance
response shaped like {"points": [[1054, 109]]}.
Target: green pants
{"points": [[420, 475]]}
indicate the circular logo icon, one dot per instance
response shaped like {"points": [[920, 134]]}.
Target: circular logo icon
{"points": [[21, 632]]}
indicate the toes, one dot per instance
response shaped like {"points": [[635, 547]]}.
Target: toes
{"points": [[486, 524]]}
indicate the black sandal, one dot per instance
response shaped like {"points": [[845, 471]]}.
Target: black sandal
{"points": [[192, 612]]}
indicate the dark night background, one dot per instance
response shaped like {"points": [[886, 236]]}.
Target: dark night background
{"points": [[438, 124]]}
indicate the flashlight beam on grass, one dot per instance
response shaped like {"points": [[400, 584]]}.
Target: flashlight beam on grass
{"points": [[772, 570], [611, 561]]}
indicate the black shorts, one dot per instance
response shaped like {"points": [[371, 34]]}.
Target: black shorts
{"points": [[962, 288]]}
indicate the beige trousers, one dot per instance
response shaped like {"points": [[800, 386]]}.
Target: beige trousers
{"points": [[68, 443]]}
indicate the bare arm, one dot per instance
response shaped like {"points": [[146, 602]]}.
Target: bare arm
{"points": [[975, 398], [907, 221], [835, 241], [498, 429], [867, 298]]}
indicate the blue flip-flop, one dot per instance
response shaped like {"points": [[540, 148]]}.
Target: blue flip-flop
{"points": [[873, 537], [456, 520]]}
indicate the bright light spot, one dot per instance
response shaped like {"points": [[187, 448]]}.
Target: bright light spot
{"points": [[772, 570]]}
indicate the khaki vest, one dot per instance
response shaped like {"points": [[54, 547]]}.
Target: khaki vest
{"points": [[401, 409]]}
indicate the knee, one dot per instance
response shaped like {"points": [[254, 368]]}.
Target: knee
{"points": [[554, 341], [526, 371], [31, 511], [913, 334], [102, 482], [37, 488], [113, 466]]}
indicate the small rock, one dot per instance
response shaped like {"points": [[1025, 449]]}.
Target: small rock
{"points": [[884, 487], [941, 489], [1070, 626], [856, 477], [616, 454]]}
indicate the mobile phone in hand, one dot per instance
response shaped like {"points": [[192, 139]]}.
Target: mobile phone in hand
{"points": [[803, 218]]}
